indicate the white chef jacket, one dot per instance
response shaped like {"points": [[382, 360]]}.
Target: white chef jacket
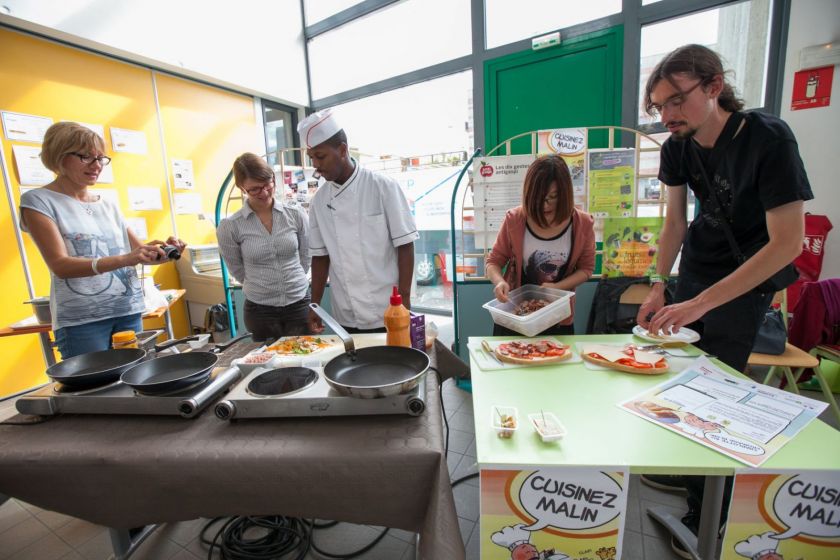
{"points": [[359, 225]]}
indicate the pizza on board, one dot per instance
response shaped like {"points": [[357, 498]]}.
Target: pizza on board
{"points": [[532, 352], [625, 359], [299, 345]]}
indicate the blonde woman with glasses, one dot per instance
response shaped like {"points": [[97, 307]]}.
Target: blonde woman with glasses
{"points": [[85, 242], [266, 248]]}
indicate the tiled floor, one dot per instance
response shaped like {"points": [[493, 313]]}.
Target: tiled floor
{"points": [[30, 533]]}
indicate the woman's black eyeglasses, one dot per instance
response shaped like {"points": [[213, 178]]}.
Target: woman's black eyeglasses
{"points": [[87, 159]]}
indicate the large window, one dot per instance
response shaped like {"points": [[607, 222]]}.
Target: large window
{"points": [[509, 21], [280, 123], [399, 38], [316, 10], [419, 135], [739, 32]]}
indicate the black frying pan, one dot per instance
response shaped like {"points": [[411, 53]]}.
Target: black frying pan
{"points": [[175, 372], [94, 368], [373, 372]]}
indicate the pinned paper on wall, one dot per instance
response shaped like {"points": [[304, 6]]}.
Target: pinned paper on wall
{"points": [[138, 226], [26, 128], [187, 203], [182, 171], [128, 141], [107, 194], [31, 171], [144, 198]]}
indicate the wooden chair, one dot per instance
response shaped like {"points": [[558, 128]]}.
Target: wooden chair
{"points": [[794, 361]]}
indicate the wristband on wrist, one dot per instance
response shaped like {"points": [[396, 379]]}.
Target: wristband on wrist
{"points": [[658, 279], [93, 265]]}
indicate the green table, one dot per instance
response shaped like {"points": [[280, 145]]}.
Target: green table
{"points": [[600, 433]]}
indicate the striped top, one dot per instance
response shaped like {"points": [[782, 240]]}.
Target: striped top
{"points": [[272, 266]]}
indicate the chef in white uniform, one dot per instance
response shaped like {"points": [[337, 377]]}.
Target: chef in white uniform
{"points": [[361, 231]]}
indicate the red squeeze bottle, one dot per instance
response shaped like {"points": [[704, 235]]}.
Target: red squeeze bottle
{"points": [[397, 321]]}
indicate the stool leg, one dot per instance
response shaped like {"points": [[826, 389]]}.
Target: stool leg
{"points": [[829, 396], [770, 373], [791, 381]]}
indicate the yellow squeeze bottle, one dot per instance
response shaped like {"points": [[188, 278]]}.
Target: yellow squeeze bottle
{"points": [[397, 321]]}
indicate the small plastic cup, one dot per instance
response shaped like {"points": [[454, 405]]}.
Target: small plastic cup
{"points": [[505, 420], [547, 426]]}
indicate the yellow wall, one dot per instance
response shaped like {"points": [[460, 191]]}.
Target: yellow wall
{"points": [[203, 124]]}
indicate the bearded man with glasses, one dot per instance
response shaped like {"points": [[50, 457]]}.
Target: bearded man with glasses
{"points": [[749, 180]]}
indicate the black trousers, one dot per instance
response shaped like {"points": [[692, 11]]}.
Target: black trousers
{"points": [[268, 323], [727, 332]]}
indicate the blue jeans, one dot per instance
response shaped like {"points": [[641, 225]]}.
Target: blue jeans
{"points": [[90, 337]]}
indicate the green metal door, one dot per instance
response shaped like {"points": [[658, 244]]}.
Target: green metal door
{"points": [[576, 84]]}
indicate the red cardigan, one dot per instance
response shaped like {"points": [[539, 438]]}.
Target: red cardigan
{"points": [[507, 251]]}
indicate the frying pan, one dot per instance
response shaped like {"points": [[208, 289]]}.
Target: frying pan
{"points": [[373, 372], [94, 368], [168, 374]]}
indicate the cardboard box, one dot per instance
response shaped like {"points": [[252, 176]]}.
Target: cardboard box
{"points": [[417, 331]]}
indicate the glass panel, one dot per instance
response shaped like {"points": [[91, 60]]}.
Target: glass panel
{"points": [[317, 10], [738, 32], [397, 39], [426, 162], [278, 134], [509, 21], [646, 2]]}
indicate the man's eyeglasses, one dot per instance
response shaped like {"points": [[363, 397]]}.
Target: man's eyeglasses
{"points": [[673, 101], [88, 159], [254, 191]]}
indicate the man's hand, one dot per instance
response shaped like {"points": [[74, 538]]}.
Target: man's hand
{"points": [[673, 317], [315, 325], [654, 301]]}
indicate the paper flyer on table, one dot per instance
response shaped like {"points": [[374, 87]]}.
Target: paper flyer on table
{"points": [[778, 514], [555, 513], [738, 417]]}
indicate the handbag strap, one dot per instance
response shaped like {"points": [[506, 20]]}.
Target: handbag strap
{"points": [[721, 144]]}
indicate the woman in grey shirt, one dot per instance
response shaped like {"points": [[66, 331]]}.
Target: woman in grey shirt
{"points": [[266, 248]]}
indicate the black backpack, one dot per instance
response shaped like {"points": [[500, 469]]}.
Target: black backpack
{"points": [[216, 318], [608, 315]]}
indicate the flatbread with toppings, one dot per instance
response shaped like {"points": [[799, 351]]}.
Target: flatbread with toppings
{"points": [[299, 345], [625, 359], [532, 352]]}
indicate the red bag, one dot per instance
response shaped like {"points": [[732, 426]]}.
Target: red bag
{"points": [[809, 262]]}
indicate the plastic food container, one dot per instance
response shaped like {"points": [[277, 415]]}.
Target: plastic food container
{"points": [[505, 420], [559, 307], [547, 426], [202, 340], [249, 363]]}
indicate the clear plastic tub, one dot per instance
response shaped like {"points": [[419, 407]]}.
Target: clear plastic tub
{"points": [[547, 426], [505, 420], [559, 307]]}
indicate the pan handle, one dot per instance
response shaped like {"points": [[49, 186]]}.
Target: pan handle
{"points": [[349, 345], [225, 345], [170, 343]]}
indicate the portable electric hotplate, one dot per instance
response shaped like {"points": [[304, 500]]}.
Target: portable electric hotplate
{"points": [[301, 391], [118, 398]]}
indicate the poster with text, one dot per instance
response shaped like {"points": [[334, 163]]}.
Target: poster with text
{"points": [[570, 144], [497, 187], [612, 175], [553, 513], [783, 515], [734, 416], [630, 246]]}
